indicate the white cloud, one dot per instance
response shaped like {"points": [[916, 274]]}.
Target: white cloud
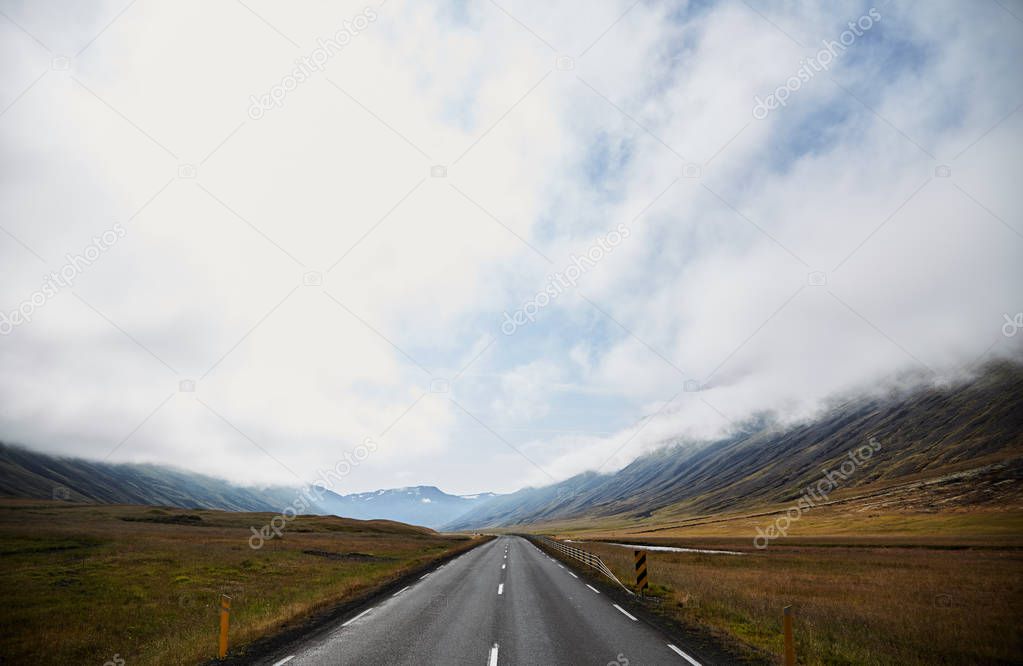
{"points": [[711, 286]]}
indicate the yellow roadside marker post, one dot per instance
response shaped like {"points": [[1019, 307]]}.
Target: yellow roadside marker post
{"points": [[641, 581], [225, 613], [790, 644]]}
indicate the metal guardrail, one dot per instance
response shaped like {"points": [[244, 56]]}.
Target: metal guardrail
{"points": [[586, 557]]}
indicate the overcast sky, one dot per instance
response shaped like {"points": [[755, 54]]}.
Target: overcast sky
{"points": [[292, 248]]}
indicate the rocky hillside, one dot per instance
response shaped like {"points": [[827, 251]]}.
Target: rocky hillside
{"points": [[919, 434]]}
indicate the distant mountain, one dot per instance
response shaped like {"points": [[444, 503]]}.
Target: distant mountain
{"points": [[418, 505], [25, 473], [922, 433]]}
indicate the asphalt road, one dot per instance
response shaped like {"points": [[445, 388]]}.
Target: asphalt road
{"points": [[505, 602]]}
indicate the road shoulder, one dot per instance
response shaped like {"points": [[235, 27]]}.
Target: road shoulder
{"points": [[703, 644], [326, 620]]}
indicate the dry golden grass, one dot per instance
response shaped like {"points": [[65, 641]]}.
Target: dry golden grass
{"points": [[909, 573], [84, 582], [857, 600]]}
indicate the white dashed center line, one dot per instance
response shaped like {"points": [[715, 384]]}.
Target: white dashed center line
{"points": [[625, 613], [500, 588], [572, 575], [592, 588], [285, 660], [684, 655], [503, 565], [493, 656]]}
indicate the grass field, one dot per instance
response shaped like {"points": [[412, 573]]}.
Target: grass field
{"points": [[907, 575], [85, 582], [868, 587], [856, 601]]}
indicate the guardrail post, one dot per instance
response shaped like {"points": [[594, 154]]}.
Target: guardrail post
{"points": [[225, 612], [790, 644], [641, 578]]}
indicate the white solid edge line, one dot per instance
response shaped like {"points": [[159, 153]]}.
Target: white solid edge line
{"points": [[345, 624], [400, 591], [684, 655], [592, 588], [424, 576], [493, 656], [500, 588], [285, 660], [625, 613]]}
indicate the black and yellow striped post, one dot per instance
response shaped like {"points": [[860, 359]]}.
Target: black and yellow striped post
{"points": [[641, 582]]}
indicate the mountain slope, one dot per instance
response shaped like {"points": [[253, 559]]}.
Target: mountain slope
{"points": [[417, 505], [921, 433], [25, 473]]}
